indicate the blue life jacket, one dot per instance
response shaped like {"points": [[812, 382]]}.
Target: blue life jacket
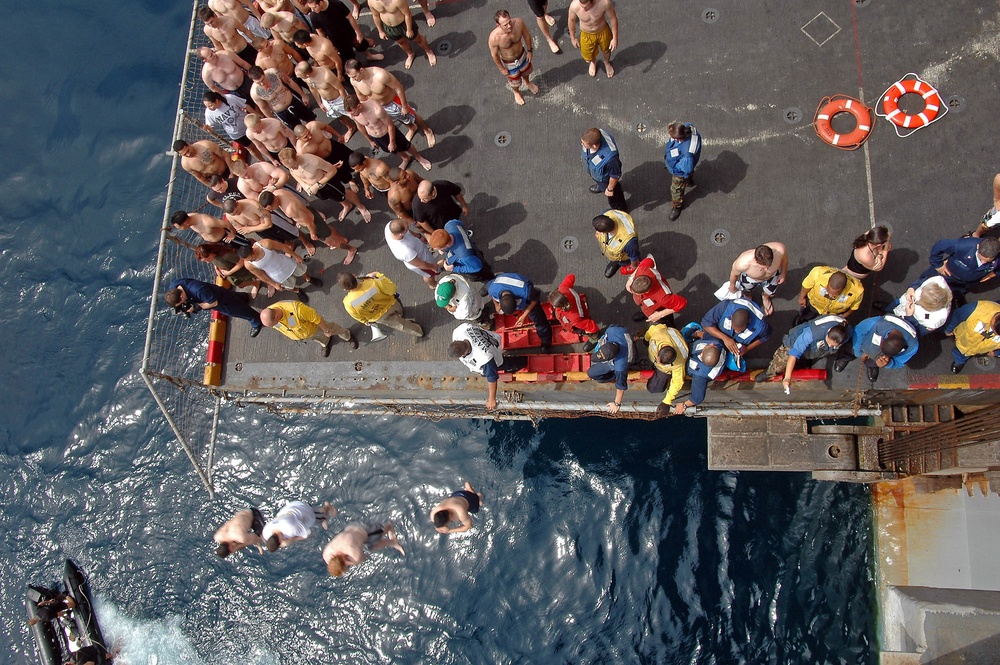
{"points": [[815, 332], [601, 164], [680, 157]]}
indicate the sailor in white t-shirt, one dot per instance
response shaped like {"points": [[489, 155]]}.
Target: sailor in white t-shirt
{"points": [[411, 250], [295, 521]]}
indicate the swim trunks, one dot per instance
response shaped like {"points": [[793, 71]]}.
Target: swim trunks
{"points": [[590, 41], [402, 144], [375, 533], [334, 109], [518, 68], [257, 524], [323, 229], [538, 7], [395, 111], [471, 497], [746, 283], [397, 32]]}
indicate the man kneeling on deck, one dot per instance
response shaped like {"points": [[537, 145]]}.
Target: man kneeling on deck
{"points": [[479, 350], [615, 352], [669, 353], [804, 344], [705, 362], [298, 321]]}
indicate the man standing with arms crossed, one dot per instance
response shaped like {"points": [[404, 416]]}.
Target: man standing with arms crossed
{"points": [[598, 30], [511, 48]]}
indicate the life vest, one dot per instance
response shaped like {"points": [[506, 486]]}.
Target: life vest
{"points": [[597, 162], [576, 311], [485, 346], [292, 324], [883, 328], [753, 328], [697, 368], [619, 336], [676, 152], [660, 336], [613, 245], [818, 348], [974, 336]]}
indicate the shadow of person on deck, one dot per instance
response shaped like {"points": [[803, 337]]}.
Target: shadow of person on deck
{"points": [[451, 119], [721, 174], [534, 260], [675, 253], [635, 54], [490, 223], [647, 186]]}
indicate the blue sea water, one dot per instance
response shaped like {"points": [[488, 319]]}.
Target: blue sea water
{"points": [[600, 542]]}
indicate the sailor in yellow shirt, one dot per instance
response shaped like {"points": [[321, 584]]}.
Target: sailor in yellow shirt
{"points": [[371, 299], [826, 290], [976, 328], [618, 240], [669, 353], [297, 320]]}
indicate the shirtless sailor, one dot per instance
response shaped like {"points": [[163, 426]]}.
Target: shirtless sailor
{"points": [[766, 265], [377, 127], [598, 31], [258, 177], [272, 92], [393, 20], [228, 34], [457, 508], [511, 47], [324, 180], [242, 530], [224, 73], [377, 84], [282, 24], [374, 173], [321, 50], [348, 547], [243, 12], [276, 54], [315, 138], [308, 219], [202, 159], [270, 135], [401, 192], [330, 92], [211, 229]]}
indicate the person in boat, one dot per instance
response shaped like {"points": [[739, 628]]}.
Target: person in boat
{"points": [[459, 507], [52, 608], [242, 530], [91, 654]]}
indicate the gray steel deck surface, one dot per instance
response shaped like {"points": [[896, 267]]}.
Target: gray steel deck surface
{"points": [[760, 178]]}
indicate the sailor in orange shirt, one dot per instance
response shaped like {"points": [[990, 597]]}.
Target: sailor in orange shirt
{"points": [[652, 293], [572, 313]]}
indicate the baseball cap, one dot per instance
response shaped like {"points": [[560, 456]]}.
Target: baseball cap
{"points": [[443, 293]]}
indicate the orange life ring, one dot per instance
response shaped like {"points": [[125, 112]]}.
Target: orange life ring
{"points": [[930, 112], [831, 106]]}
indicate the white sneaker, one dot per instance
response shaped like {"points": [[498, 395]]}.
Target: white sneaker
{"points": [[377, 333]]}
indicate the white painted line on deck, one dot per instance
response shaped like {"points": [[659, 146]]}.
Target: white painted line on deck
{"points": [[868, 172]]}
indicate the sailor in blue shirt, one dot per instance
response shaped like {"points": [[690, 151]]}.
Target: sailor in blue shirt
{"points": [[739, 324], [680, 156], [615, 350], [706, 361], [514, 293], [880, 341], [461, 256], [187, 295], [805, 343], [600, 156], [963, 262]]}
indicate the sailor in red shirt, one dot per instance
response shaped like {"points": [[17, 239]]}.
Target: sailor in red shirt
{"points": [[651, 292], [572, 313]]}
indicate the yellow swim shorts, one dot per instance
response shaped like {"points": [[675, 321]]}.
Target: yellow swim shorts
{"points": [[589, 41]]}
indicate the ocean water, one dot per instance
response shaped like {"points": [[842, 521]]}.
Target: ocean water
{"points": [[600, 541]]}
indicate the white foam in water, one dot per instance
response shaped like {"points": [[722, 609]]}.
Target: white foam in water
{"points": [[161, 642]]}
